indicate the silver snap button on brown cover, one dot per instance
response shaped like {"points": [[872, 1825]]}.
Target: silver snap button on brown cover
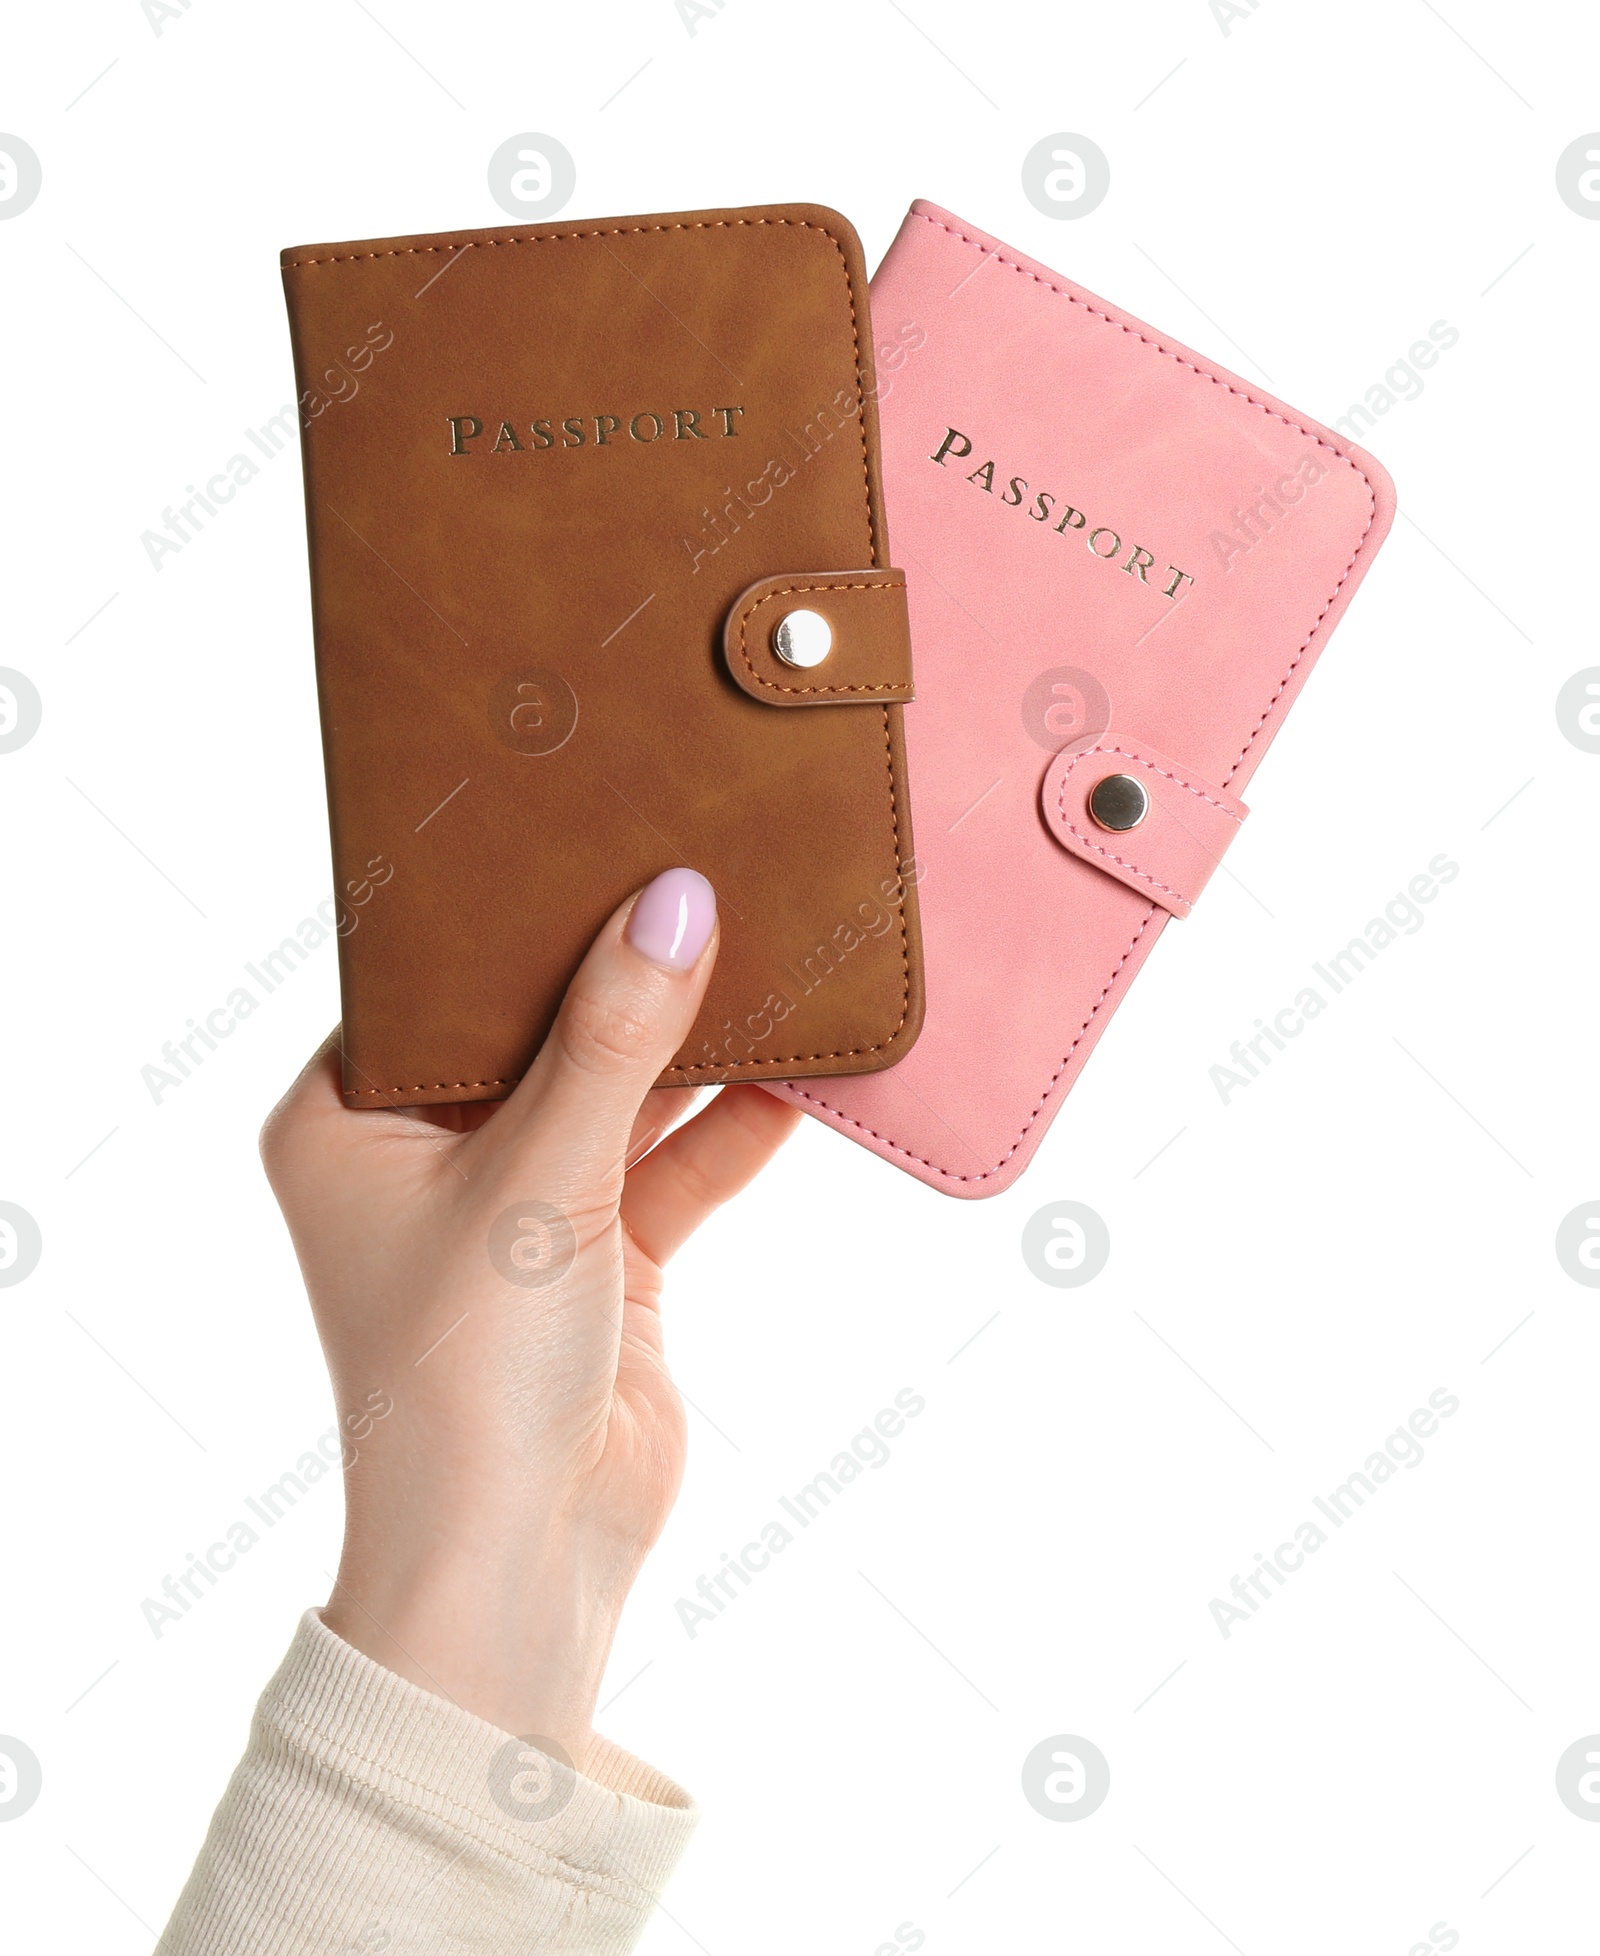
{"points": [[803, 638]]}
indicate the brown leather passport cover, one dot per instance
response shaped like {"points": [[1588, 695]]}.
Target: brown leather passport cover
{"points": [[562, 482]]}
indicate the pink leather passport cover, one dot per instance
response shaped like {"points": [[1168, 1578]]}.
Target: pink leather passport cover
{"points": [[1257, 524]]}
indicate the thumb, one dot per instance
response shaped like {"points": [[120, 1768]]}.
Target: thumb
{"points": [[626, 1012]]}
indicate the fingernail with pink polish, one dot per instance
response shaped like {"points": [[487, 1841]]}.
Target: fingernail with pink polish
{"points": [[673, 920]]}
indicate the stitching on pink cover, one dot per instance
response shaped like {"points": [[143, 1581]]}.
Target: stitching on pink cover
{"points": [[949, 1174], [1322, 442], [1128, 754], [1099, 848]]}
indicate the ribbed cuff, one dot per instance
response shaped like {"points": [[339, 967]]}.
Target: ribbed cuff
{"points": [[366, 1807]]}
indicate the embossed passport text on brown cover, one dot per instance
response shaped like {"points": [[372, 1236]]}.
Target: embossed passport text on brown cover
{"points": [[564, 486]]}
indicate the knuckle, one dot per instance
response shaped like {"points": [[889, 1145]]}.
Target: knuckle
{"points": [[603, 1036], [275, 1144], [704, 1188]]}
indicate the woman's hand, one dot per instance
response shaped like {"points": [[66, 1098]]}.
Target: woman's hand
{"points": [[486, 1281]]}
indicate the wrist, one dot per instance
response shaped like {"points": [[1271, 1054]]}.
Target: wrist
{"points": [[516, 1632]]}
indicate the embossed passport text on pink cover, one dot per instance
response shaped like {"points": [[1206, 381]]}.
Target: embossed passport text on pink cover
{"points": [[1123, 562]]}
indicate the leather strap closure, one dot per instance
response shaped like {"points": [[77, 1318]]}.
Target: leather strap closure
{"points": [[868, 661], [1169, 854]]}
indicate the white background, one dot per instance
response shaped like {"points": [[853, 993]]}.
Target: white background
{"points": [[1372, 1219]]}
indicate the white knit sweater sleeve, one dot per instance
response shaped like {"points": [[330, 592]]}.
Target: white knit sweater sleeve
{"points": [[368, 1815]]}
